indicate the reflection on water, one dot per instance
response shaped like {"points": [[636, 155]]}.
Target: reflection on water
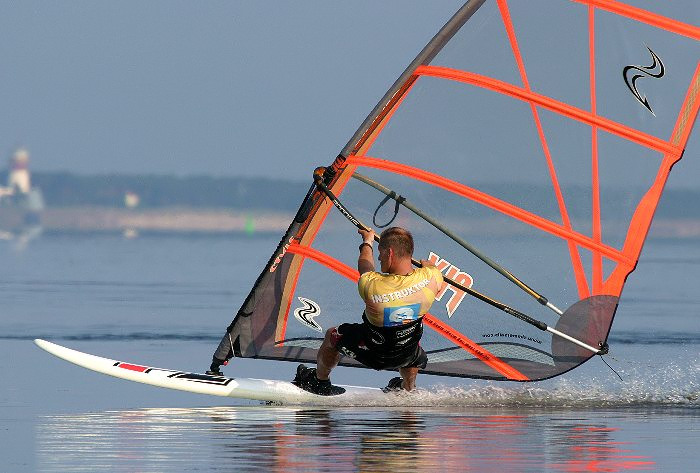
{"points": [[293, 439]]}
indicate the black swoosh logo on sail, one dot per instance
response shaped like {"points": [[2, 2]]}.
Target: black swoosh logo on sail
{"points": [[306, 314], [632, 73]]}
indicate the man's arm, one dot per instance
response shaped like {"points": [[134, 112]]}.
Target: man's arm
{"points": [[365, 262]]}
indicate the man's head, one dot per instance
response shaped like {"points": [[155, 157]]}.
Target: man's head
{"points": [[395, 247]]}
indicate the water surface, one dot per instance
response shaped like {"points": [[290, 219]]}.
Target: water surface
{"points": [[165, 301]]}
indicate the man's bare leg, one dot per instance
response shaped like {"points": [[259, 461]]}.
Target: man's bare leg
{"points": [[409, 378], [328, 357]]}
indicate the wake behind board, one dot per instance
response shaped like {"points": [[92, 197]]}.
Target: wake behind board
{"points": [[240, 388]]}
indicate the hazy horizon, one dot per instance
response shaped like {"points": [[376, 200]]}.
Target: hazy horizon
{"points": [[225, 88]]}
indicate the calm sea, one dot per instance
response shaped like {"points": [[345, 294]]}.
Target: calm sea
{"points": [[165, 301]]}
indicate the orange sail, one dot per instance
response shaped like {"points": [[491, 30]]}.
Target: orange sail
{"points": [[539, 135]]}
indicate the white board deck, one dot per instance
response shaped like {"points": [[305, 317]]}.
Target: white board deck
{"points": [[241, 388]]}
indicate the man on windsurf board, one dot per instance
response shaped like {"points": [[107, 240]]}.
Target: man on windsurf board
{"points": [[392, 324]]}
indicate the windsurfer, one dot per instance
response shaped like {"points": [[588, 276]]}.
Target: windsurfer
{"points": [[395, 301]]}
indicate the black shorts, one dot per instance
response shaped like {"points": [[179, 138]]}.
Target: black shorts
{"points": [[382, 348]]}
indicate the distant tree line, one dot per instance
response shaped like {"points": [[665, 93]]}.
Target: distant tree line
{"points": [[677, 203], [62, 189]]}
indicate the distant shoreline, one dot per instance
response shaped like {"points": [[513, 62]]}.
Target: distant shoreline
{"points": [[182, 220], [162, 220]]}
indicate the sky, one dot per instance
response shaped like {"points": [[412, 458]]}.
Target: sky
{"points": [[224, 88], [217, 88]]}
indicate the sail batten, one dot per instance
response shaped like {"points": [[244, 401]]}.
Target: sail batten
{"points": [[605, 124], [644, 16], [491, 202]]}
